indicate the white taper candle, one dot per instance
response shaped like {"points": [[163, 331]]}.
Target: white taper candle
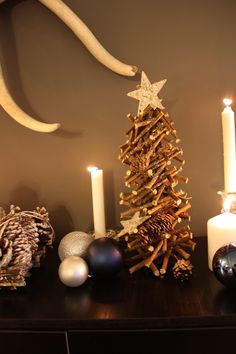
{"points": [[228, 127], [98, 201]]}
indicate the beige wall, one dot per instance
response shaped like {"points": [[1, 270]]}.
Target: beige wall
{"points": [[52, 76]]}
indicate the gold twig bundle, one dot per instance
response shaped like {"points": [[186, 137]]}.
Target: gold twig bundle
{"points": [[155, 203]]}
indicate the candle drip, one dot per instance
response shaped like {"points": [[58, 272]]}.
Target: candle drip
{"points": [[228, 201]]}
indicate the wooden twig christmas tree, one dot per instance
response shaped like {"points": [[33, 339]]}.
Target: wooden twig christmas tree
{"points": [[156, 220]]}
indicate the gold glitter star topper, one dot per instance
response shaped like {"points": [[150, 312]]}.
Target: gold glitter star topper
{"points": [[147, 93]]}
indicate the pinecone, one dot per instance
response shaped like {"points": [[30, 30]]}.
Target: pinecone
{"points": [[24, 236], [45, 231], [152, 229], [139, 163], [182, 269]]}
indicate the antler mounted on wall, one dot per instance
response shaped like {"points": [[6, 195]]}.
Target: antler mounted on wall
{"points": [[79, 28]]}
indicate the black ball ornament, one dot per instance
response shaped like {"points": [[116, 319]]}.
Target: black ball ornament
{"points": [[224, 265], [104, 257]]}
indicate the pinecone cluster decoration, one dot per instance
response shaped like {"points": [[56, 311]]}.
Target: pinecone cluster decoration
{"points": [[24, 238], [155, 203]]}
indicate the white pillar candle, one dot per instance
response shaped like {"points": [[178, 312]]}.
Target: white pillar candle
{"points": [[98, 201], [228, 127], [221, 230]]}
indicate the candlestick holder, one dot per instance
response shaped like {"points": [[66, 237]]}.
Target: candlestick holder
{"points": [[228, 201], [110, 233]]}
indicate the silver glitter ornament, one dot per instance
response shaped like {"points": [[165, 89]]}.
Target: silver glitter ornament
{"points": [[74, 244], [73, 271]]}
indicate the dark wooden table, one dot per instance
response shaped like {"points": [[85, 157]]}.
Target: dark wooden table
{"points": [[131, 313]]}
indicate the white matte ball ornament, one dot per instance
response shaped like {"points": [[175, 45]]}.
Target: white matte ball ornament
{"points": [[73, 271], [74, 244]]}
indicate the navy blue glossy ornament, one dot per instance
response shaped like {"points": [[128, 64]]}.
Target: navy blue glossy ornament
{"points": [[104, 257], [224, 265]]}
